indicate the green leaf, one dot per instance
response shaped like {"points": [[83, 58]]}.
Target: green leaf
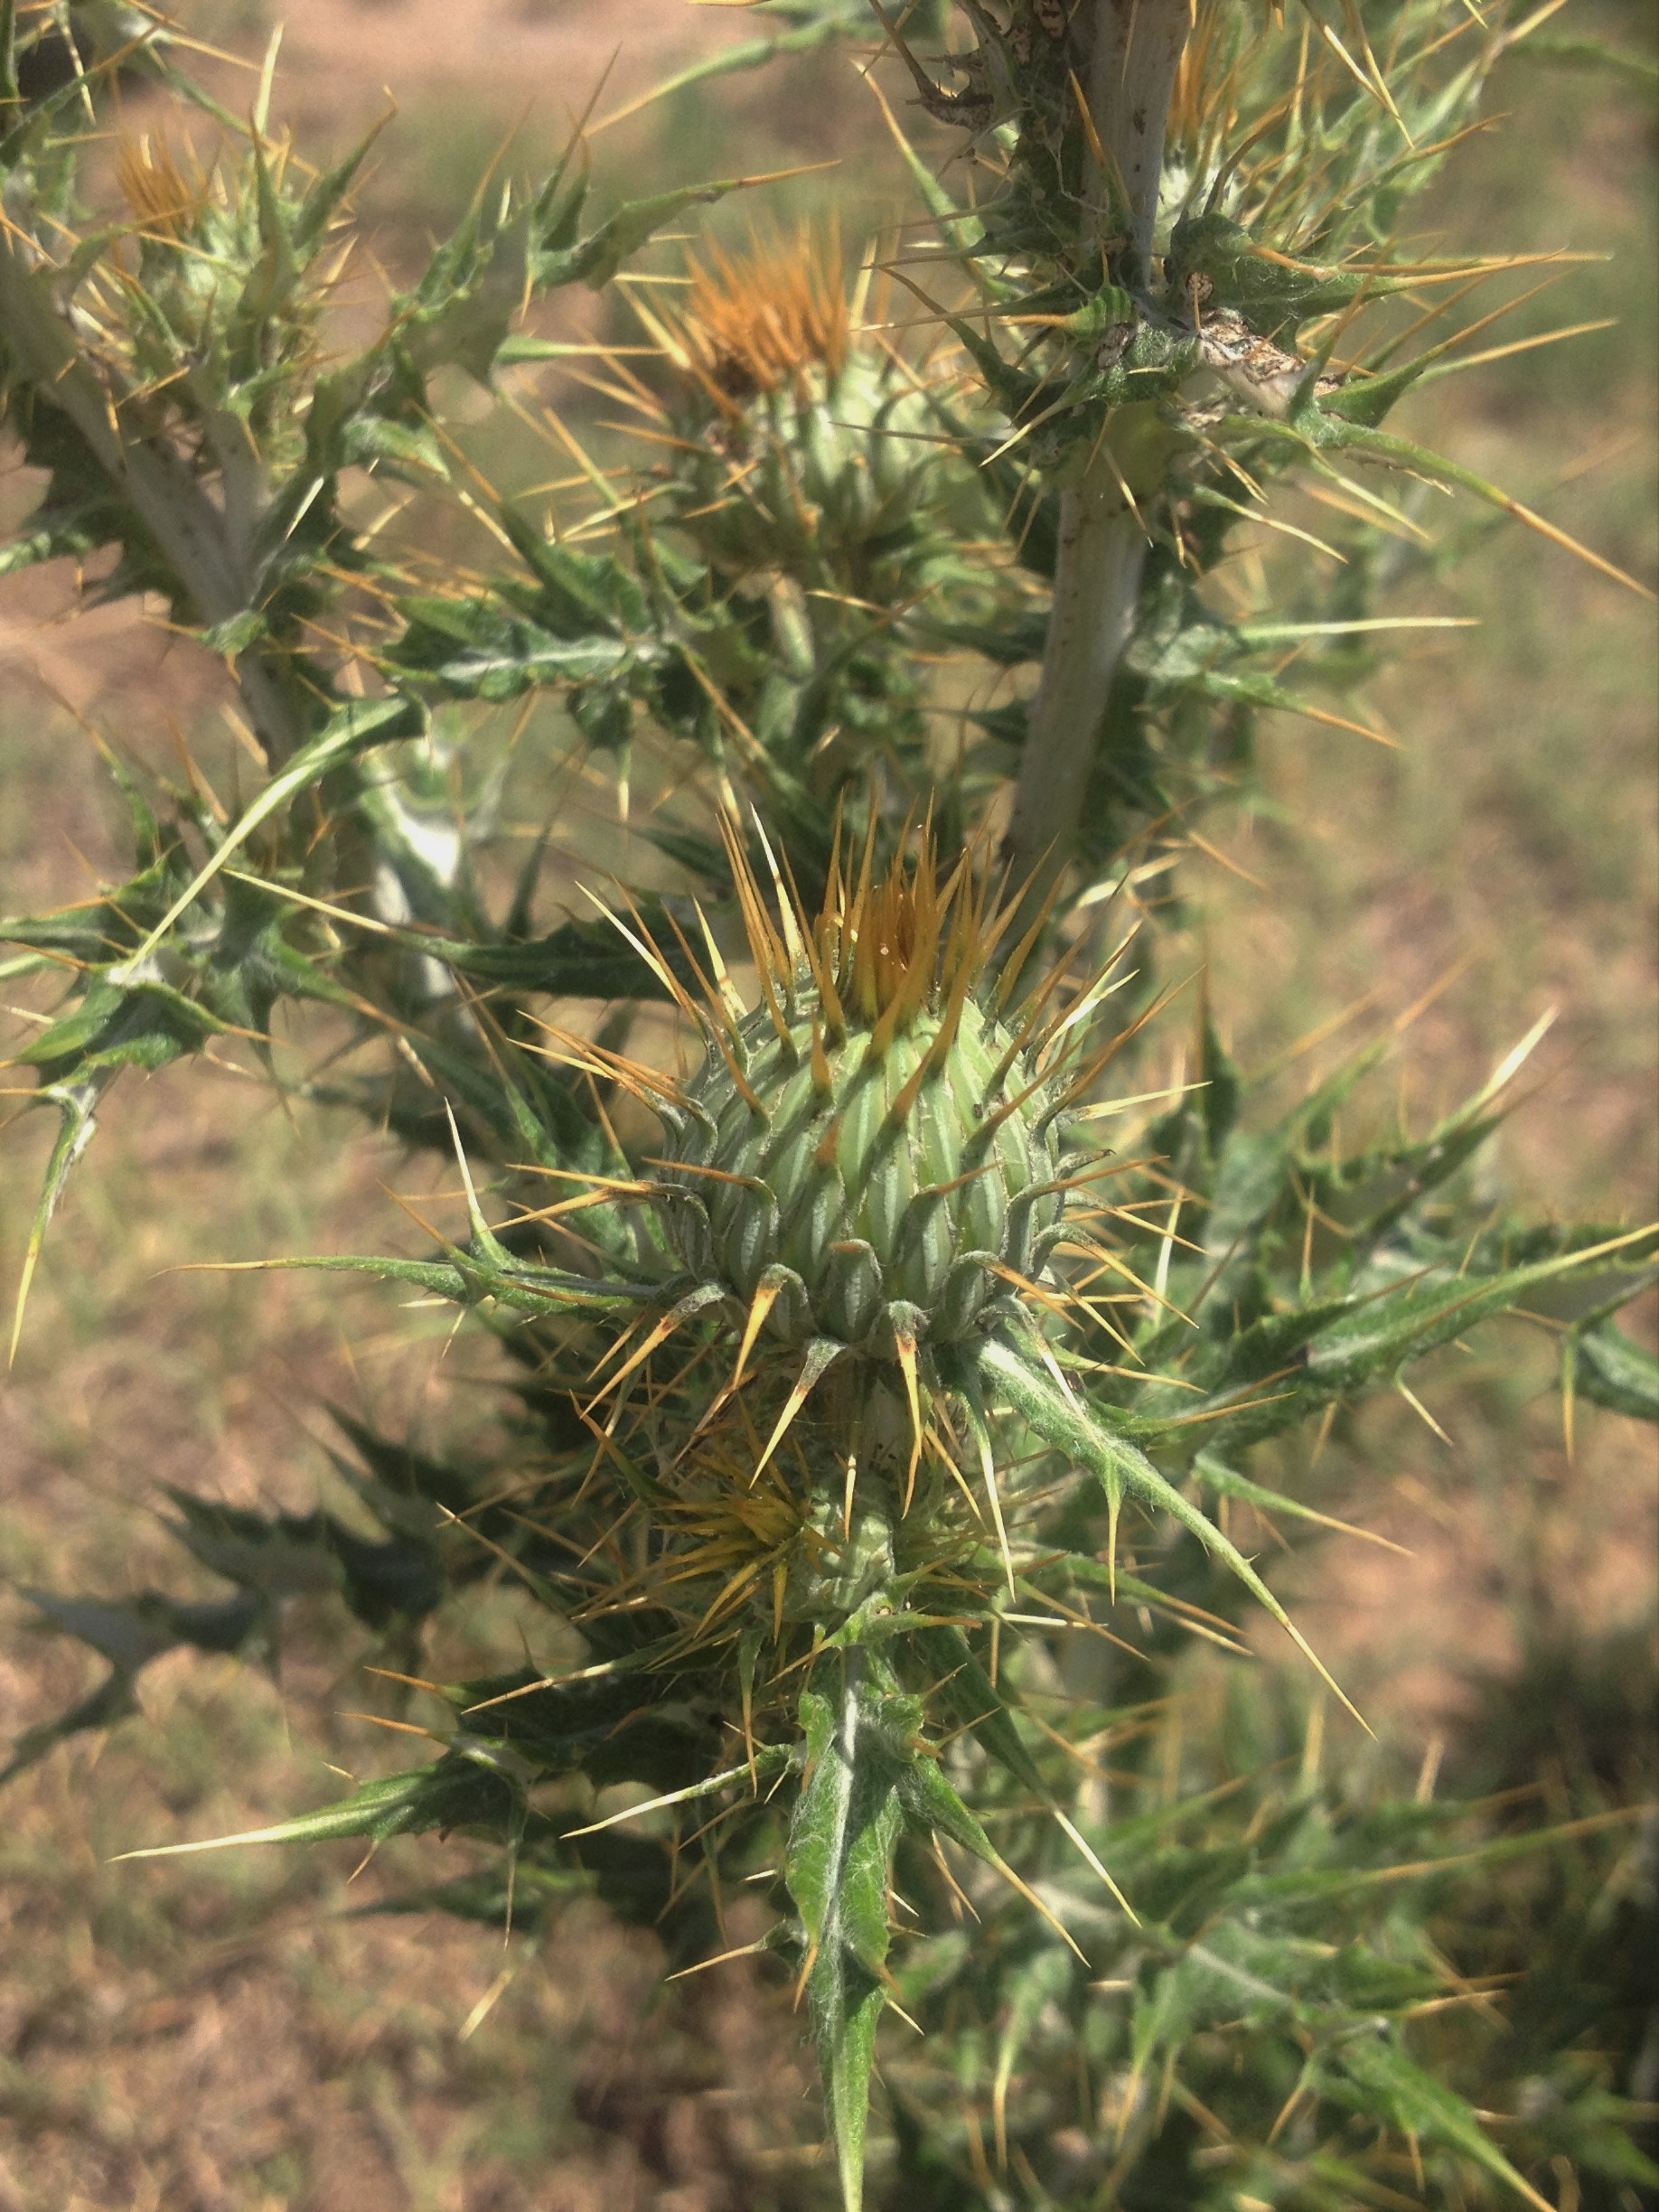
{"points": [[1371, 2072], [579, 959], [932, 1807], [1560, 51], [469, 1279], [1314, 428], [76, 1106], [1216, 1476], [1273, 294], [845, 20], [638, 1723], [528, 1898], [1335, 1348], [1043, 1979], [965, 1692], [578, 593], [351, 728], [473, 1785], [481, 648], [1611, 1370], [137, 1021], [327, 194], [838, 1866], [598, 259], [1123, 1468], [1402, 1324]]}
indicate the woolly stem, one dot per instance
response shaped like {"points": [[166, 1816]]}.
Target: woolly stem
{"points": [[1133, 58]]}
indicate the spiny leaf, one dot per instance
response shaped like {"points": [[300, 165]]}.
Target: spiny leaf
{"points": [[834, 21], [1227, 1483], [481, 649], [467, 1281], [1371, 2072], [1061, 1421], [1612, 1370], [596, 259], [965, 1692], [477, 1785], [353, 726], [1559, 52], [1319, 429], [1383, 1333], [838, 1866], [76, 1104]]}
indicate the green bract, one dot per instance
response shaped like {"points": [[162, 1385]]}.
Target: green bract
{"points": [[875, 1195], [871, 1156]]}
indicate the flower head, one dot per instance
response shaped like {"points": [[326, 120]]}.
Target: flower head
{"points": [[757, 321]]}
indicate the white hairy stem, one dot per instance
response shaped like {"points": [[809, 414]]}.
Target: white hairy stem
{"points": [[1135, 51]]}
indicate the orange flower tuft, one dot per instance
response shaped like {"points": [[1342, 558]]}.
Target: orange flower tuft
{"points": [[756, 320], [162, 197]]}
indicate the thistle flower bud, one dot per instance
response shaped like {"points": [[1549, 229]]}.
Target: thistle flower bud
{"points": [[864, 1185], [810, 448], [870, 1158]]}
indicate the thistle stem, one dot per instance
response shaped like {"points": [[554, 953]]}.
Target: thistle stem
{"points": [[1134, 53], [1097, 587]]}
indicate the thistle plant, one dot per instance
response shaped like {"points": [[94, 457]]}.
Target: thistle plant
{"points": [[881, 1327]]}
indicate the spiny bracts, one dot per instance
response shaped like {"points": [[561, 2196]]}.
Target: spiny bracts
{"points": [[871, 1160], [871, 1156]]}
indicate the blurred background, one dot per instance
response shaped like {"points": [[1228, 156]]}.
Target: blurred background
{"points": [[243, 2033]]}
